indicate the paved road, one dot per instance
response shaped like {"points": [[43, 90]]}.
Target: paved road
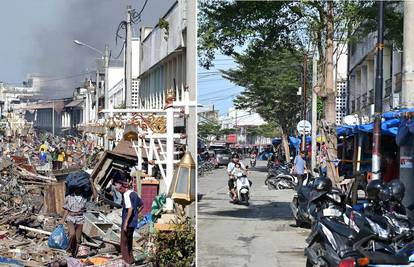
{"points": [[258, 235]]}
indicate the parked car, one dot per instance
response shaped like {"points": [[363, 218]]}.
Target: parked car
{"points": [[223, 156]]}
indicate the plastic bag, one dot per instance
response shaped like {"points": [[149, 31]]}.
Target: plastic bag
{"points": [[58, 239], [147, 219]]}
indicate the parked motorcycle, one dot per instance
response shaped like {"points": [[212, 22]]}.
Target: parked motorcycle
{"points": [[300, 202], [280, 178], [335, 231]]}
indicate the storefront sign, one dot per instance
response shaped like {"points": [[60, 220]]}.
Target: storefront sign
{"points": [[406, 162], [232, 138]]}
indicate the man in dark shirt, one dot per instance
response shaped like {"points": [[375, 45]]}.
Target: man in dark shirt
{"points": [[131, 207]]}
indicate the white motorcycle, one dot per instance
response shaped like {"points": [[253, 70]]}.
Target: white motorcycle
{"points": [[242, 188]]}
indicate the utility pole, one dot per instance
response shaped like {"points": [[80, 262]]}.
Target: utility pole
{"points": [[53, 118], [128, 59], [376, 142], [305, 70], [106, 67], [97, 94], [407, 101], [314, 109]]}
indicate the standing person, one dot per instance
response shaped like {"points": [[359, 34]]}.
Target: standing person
{"points": [[42, 155], [131, 207], [299, 167], [61, 157], [43, 147]]}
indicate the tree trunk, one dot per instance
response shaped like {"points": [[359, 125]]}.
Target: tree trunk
{"points": [[285, 144], [329, 107]]}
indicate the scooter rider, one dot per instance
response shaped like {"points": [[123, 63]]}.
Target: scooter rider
{"points": [[230, 167]]}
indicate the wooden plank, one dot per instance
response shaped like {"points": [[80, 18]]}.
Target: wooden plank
{"points": [[54, 198], [34, 230]]}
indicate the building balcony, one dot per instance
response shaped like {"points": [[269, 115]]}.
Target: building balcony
{"points": [[388, 87]]}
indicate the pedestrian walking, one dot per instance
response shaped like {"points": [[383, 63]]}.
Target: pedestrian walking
{"points": [[299, 167], [74, 206], [131, 207]]}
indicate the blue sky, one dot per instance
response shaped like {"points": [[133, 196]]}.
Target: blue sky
{"points": [[213, 89]]}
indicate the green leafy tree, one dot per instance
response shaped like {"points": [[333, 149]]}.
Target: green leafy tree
{"points": [[271, 81], [208, 128], [269, 130], [228, 131]]}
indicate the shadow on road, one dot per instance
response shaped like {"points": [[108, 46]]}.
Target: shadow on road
{"points": [[268, 211], [259, 169]]}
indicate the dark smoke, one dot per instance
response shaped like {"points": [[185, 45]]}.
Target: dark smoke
{"points": [[92, 21]]}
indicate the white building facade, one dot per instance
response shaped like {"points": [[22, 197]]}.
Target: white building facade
{"points": [[163, 58]]}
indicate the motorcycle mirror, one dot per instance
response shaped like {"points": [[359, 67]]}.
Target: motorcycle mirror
{"points": [[247, 166]]}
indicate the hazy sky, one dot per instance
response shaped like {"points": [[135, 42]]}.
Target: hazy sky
{"points": [[37, 35]]}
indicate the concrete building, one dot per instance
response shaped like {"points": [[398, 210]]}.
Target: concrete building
{"points": [[207, 113], [11, 96], [242, 121], [362, 69], [163, 58], [341, 84]]}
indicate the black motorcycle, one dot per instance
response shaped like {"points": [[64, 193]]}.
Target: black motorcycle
{"points": [[301, 200], [333, 237]]}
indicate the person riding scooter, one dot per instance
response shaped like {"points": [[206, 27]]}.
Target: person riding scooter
{"points": [[253, 157], [230, 172]]}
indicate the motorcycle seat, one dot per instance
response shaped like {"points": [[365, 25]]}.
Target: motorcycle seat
{"points": [[339, 228]]}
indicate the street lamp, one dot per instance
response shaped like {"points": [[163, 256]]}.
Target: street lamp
{"points": [[182, 189], [89, 46], [106, 56]]}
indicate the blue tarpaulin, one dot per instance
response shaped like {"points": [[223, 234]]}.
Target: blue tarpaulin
{"points": [[389, 126]]}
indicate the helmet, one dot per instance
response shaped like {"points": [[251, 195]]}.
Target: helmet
{"points": [[373, 189], [235, 156], [397, 190], [322, 184], [385, 194]]}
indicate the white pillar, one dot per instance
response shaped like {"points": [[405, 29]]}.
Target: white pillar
{"points": [[170, 155]]}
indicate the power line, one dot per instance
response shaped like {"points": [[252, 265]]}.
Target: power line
{"points": [[219, 90]]}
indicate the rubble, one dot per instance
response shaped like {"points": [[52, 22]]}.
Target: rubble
{"points": [[32, 193]]}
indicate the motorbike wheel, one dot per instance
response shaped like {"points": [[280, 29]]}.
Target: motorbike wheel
{"points": [[320, 252], [309, 263]]}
